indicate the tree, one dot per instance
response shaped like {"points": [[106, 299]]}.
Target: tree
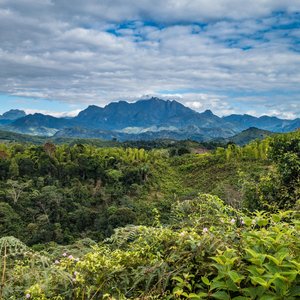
{"points": [[50, 148], [281, 187], [13, 169], [10, 221], [15, 189]]}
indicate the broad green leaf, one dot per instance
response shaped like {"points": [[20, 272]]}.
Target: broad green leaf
{"points": [[205, 280], [217, 285], [221, 295], [248, 221], [177, 291], [252, 252], [296, 263], [256, 271], [282, 254], [259, 280], [231, 286], [295, 291], [197, 296], [291, 275], [235, 276], [273, 259], [262, 222], [276, 218], [219, 259], [269, 297], [177, 278]]}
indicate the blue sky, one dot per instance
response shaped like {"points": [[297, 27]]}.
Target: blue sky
{"points": [[46, 106], [230, 56]]}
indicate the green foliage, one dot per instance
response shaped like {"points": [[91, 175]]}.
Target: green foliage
{"points": [[61, 193], [157, 237], [246, 257], [280, 186], [263, 265], [285, 152]]}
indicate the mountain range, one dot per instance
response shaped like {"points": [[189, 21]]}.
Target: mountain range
{"points": [[145, 119]]}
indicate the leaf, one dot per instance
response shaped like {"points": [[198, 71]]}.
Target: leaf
{"points": [[276, 218], [235, 276], [254, 292], [217, 285], [252, 253], [254, 270], [291, 275], [205, 280], [177, 278], [177, 289], [258, 261], [248, 221], [219, 259], [295, 291], [259, 280], [297, 264], [271, 268], [231, 286], [273, 259], [262, 222], [251, 292], [269, 297], [221, 295], [197, 296], [282, 254]]}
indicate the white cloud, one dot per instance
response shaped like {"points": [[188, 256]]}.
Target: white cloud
{"points": [[53, 113], [66, 50], [172, 10]]}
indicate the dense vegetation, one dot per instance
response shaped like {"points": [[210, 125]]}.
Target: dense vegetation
{"points": [[129, 223]]}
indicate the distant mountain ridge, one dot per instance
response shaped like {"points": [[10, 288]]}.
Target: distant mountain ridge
{"points": [[243, 122], [144, 113], [145, 119]]}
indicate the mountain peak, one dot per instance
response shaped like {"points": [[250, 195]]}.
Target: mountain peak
{"points": [[151, 99], [144, 114], [13, 114], [92, 106], [208, 112]]}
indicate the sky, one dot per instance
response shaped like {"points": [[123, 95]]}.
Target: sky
{"points": [[230, 56]]}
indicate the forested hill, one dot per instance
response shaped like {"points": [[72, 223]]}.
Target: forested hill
{"points": [[150, 224], [242, 138], [63, 192]]}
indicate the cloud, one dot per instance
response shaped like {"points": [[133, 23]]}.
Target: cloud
{"points": [[204, 51], [168, 11], [73, 113]]}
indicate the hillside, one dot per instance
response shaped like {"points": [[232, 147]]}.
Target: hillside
{"points": [[13, 137], [107, 176], [136, 219], [248, 135], [191, 146]]}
